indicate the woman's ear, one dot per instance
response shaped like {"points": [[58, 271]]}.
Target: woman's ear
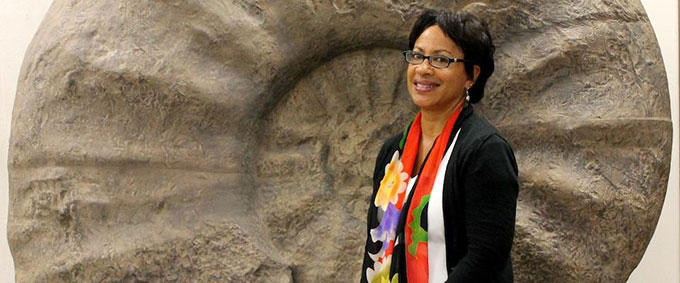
{"points": [[475, 73]]}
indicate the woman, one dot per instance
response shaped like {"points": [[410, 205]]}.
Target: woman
{"points": [[445, 190]]}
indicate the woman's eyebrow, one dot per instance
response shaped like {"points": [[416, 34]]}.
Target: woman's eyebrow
{"points": [[442, 50], [436, 51]]}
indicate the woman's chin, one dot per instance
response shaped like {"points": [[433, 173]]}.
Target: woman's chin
{"points": [[422, 102]]}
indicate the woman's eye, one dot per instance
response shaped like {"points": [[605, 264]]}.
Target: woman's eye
{"points": [[417, 56], [440, 59]]}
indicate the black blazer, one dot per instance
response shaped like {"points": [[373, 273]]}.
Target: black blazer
{"points": [[479, 202]]}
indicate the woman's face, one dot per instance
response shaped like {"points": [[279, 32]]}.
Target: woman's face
{"points": [[432, 88]]}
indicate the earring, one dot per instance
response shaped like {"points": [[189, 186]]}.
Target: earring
{"points": [[467, 94]]}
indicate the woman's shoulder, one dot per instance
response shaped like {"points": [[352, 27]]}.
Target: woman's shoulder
{"points": [[478, 126], [476, 129], [479, 135], [481, 148], [389, 146], [393, 141]]}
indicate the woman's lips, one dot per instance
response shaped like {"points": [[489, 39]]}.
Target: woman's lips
{"points": [[425, 86]]}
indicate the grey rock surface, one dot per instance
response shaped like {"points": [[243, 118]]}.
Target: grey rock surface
{"points": [[235, 140]]}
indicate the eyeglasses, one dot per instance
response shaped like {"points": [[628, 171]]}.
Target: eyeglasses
{"points": [[437, 61]]}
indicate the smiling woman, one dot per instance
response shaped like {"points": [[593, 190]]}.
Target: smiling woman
{"points": [[453, 220]]}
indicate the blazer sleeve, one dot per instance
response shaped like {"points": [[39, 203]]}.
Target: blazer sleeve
{"points": [[490, 201]]}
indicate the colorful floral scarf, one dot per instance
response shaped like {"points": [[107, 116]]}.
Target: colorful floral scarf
{"points": [[390, 200]]}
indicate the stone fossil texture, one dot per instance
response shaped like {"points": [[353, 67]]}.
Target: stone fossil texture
{"points": [[234, 140]]}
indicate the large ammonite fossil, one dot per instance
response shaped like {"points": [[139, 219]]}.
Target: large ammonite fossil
{"points": [[234, 140]]}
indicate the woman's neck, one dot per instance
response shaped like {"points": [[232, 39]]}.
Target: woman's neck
{"points": [[432, 122]]}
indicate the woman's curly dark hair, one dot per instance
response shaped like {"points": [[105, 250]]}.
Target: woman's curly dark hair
{"points": [[470, 34]]}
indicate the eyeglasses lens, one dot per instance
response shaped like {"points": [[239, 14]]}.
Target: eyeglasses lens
{"points": [[439, 61], [413, 58]]}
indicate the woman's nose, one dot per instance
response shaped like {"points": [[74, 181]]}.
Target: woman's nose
{"points": [[424, 68]]}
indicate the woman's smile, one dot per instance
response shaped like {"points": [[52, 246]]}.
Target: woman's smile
{"points": [[424, 86]]}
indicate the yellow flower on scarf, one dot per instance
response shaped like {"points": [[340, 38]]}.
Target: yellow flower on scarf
{"points": [[392, 184], [380, 272]]}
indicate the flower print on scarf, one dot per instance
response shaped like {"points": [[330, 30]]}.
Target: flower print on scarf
{"points": [[392, 184], [387, 200], [380, 272], [385, 232]]}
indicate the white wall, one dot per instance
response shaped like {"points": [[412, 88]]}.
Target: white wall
{"points": [[19, 20], [661, 262]]}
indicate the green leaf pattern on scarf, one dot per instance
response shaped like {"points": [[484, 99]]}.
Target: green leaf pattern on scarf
{"points": [[419, 234]]}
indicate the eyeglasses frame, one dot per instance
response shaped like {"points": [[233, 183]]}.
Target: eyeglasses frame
{"points": [[450, 60]]}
